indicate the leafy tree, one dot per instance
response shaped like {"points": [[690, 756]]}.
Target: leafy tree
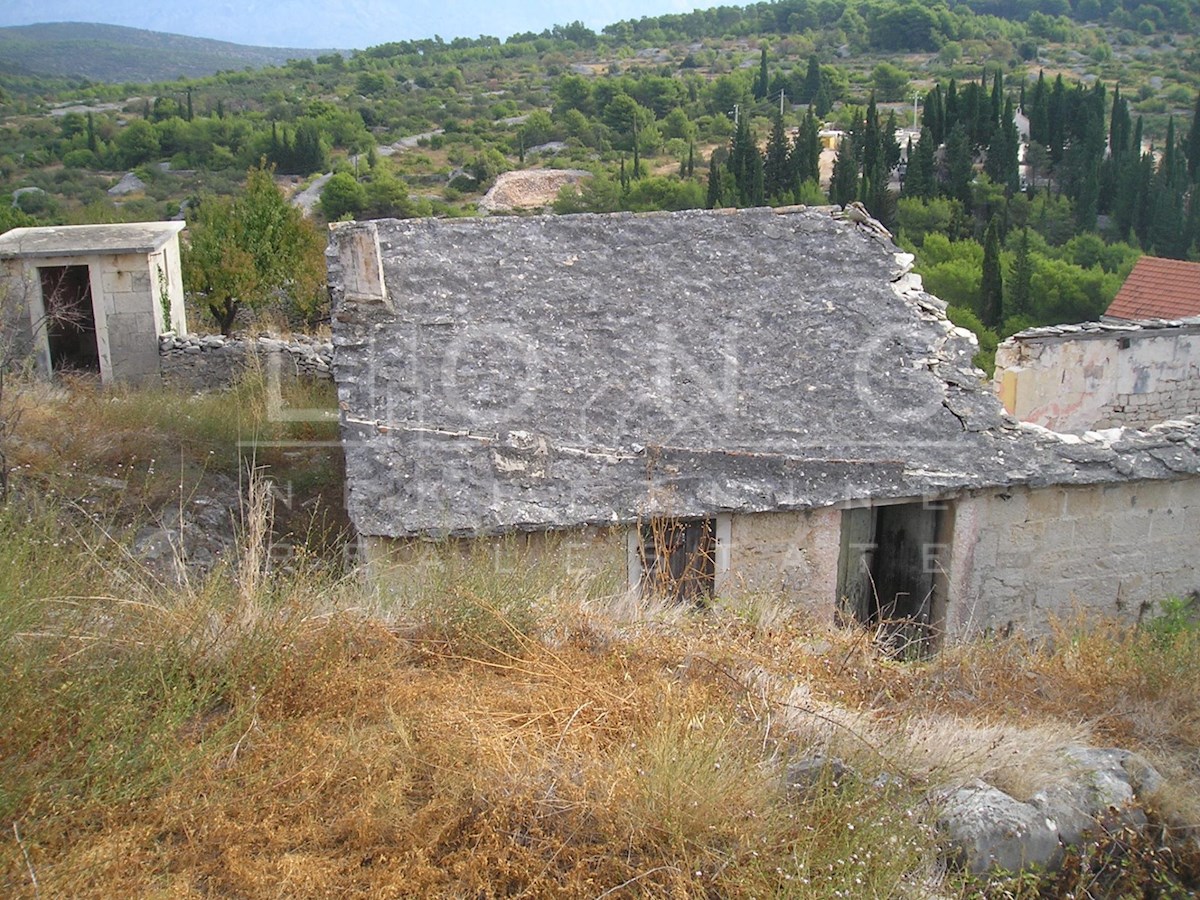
{"points": [[991, 286], [137, 143], [248, 250], [343, 195], [890, 82]]}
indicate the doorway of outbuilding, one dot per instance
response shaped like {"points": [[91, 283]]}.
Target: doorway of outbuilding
{"points": [[69, 319], [892, 572]]}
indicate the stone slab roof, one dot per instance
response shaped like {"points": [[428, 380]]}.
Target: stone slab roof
{"points": [[1158, 289], [87, 240], [538, 373], [1109, 329]]}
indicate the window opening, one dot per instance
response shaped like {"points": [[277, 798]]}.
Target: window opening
{"points": [[678, 558]]}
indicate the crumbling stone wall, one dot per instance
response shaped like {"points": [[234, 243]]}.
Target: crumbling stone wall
{"points": [[1024, 555], [211, 362], [1099, 375]]}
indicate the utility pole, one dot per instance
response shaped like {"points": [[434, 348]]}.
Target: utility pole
{"points": [[916, 94], [782, 96], [736, 107]]}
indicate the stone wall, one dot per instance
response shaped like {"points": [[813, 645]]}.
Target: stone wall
{"points": [[1023, 556], [211, 362], [792, 556], [1100, 375]]}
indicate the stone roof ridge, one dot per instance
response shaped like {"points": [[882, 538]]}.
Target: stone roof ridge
{"points": [[1161, 450], [1103, 327]]}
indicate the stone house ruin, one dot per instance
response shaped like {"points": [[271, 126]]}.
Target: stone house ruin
{"points": [[732, 402], [1100, 375], [95, 298]]}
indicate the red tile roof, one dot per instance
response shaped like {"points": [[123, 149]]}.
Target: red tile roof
{"points": [[1158, 289]]}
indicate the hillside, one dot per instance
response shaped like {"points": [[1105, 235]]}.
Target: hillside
{"points": [[120, 55]]}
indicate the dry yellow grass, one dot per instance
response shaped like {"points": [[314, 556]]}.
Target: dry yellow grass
{"points": [[271, 734]]}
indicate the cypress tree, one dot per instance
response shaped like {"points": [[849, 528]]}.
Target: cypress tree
{"points": [[805, 154], [757, 190], [812, 81], [823, 102], [761, 81], [713, 201], [920, 181], [843, 186], [991, 285], [1056, 112], [1168, 214], [776, 177], [1039, 112], [872, 140], [960, 168], [743, 154], [1192, 147], [691, 160], [1002, 164], [1021, 292], [932, 115], [91, 134], [951, 116]]}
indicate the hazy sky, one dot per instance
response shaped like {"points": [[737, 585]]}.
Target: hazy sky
{"points": [[346, 24]]}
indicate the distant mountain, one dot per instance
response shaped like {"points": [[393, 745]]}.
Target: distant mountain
{"points": [[348, 23], [113, 53]]}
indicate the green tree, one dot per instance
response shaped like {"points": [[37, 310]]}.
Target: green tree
{"points": [[137, 143], [812, 82], [920, 180], [343, 195], [1001, 163], [991, 286], [761, 81], [843, 186], [1021, 285], [960, 165], [1192, 146], [890, 82], [777, 180], [248, 250]]}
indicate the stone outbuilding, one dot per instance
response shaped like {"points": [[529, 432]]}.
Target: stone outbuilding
{"points": [[95, 298], [748, 402]]}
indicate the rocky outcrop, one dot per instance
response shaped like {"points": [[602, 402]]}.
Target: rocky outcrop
{"points": [[988, 829]]}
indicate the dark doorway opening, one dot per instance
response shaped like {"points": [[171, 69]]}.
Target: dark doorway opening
{"points": [[678, 559], [892, 572], [70, 322]]}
